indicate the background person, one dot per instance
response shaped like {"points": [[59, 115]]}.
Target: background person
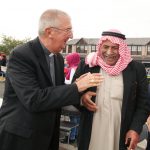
{"points": [[3, 60], [2, 66], [34, 88], [118, 111], [72, 61]]}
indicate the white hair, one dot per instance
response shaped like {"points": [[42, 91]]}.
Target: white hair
{"points": [[50, 18]]}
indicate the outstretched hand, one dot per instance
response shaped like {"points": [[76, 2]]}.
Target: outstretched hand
{"points": [[88, 80], [148, 123]]}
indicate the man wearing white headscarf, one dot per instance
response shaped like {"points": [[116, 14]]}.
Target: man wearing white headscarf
{"points": [[113, 114]]}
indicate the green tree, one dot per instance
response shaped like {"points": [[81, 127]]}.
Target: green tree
{"points": [[8, 43]]}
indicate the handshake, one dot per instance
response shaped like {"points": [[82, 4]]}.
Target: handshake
{"points": [[88, 80]]}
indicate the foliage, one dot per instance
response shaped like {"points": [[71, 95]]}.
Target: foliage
{"points": [[8, 43]]}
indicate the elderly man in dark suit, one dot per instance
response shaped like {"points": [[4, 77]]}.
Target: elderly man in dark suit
{"points": [[34, 88]]}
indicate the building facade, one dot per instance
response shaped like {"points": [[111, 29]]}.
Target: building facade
{"points": [[140, 47]]}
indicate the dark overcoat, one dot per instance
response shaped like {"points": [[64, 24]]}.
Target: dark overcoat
{"points": [[135, 106], [30, 113]]}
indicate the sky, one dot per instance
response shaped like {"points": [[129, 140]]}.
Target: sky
{"points": [[19, 18]]}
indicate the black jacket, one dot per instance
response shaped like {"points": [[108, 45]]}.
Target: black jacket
{"points": [[135, 106], [31, 104]]}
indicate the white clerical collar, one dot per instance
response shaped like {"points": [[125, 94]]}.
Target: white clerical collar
{"points": [[51, 54]]}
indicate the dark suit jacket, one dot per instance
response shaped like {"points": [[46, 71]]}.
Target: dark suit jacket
{"points": [[31, 104], [148, 142], [134, 106]]}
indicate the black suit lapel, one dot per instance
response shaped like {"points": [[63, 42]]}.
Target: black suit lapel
{"points": [[38, 51]]}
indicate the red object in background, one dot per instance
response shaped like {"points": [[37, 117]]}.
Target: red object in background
{"points": [[65, 70]]}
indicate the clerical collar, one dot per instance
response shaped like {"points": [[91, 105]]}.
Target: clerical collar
{"points": [[51, 54]]}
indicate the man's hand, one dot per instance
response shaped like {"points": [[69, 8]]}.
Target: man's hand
{"points": [[148, 123], [134, 139], [88, 80], [87, 102]]}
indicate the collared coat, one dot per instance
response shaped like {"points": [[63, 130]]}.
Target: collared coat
{"points": [[31, 108], [135, 107]]}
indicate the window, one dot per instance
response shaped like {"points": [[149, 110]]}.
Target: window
{"points": [[93, 48], [69, 48], [148, 50], [136, 49], [86, 48], [81, 49], [139, 50], [64, 50]]}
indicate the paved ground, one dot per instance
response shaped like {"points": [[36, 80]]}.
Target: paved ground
{"points": [[142, 145]]}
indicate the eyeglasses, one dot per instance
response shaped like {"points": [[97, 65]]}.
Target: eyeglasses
{"points": [[67, 30]]}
